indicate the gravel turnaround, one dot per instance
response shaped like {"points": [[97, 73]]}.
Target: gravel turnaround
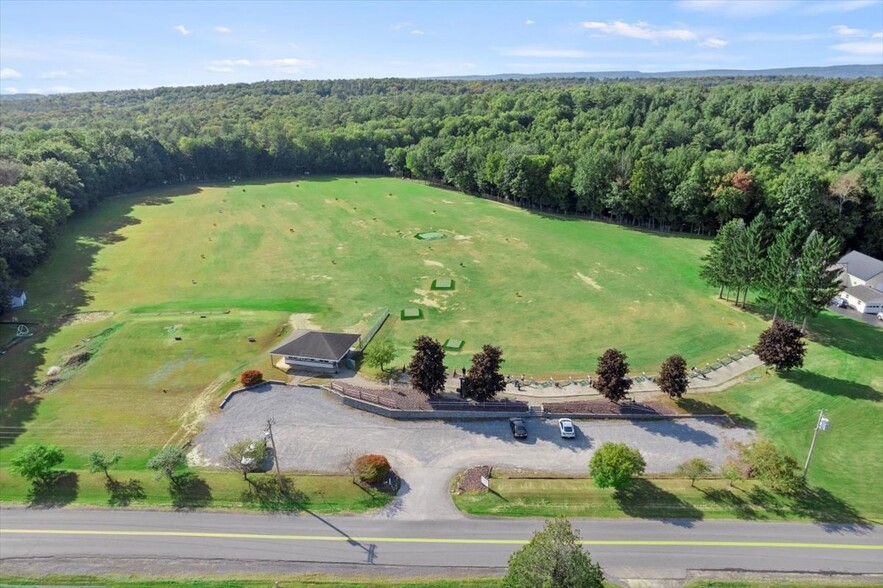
{"points": [[315, 432]]}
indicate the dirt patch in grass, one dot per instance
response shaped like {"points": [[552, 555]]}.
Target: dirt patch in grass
{"points": [[304, 320], [588, 280], [470, 481], [78, 359], [85, 317], [433, 263]]}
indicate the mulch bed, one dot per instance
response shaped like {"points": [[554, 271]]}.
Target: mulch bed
{"points": [[604, 406], [406, 398], [470, 481]]}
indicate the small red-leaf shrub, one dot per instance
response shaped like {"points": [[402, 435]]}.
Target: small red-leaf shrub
{"points": [[251, 377], [372, 468]]}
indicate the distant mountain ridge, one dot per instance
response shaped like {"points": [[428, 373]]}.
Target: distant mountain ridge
{"points": [[828, 71]]}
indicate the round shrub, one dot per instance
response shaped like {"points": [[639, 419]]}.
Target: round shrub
{"points": [[372, 468], [251, 377]]}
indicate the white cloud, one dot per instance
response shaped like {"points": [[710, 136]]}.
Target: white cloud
{"points": [[230, 62], [529, 22], [182, 29], [639, 30], [541, 52], [7, 73], [846, 31], [11, 90], [223, 30], [418, 32], [861, 48], [736, 8], [59, 90], [877, 35], [397, 26], [843, 6], [714, 43], [289, 65], [56, 74]]}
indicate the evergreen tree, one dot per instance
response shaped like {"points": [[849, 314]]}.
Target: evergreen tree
{"points": [[553, 559], [780, 269], [817, 281], [427, 367], [719, 267]]}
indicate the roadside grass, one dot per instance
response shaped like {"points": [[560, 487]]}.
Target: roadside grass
{"points": [[843, 374], [809, 583], [304, 581], [651, 498], [206, 489]]}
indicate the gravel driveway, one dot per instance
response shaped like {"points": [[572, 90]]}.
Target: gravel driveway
{"points": [[315, 432]]}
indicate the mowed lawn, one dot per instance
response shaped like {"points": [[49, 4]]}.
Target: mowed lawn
{"points": [[553, 293]]}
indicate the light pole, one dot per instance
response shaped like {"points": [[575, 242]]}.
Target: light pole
{"points": [[823, 424], [269, 434]]}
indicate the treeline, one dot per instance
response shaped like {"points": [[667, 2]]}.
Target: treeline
{"points": [[687, 155]]}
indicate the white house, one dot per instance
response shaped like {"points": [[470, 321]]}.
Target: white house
{"points": [[858, 269], [18, 299], [862, 279]]}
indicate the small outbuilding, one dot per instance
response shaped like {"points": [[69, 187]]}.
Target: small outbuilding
{"points": [[863, 299], [316, 350], [17, 299]]}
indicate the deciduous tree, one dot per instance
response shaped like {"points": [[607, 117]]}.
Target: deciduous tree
{"points": [[167, 463], [673, 376], [380, 353], [102, 462], [781, 346], [245, 456], [484, 379], [427, 367], [553, 558], [693, 469], [615, 464], [36, 463], [612, 382]]}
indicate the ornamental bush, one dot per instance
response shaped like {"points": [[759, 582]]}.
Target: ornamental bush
{"points": [[371, 468], [251, 377]]}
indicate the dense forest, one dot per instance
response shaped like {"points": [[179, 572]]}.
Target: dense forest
{"points": [[683, 155]]}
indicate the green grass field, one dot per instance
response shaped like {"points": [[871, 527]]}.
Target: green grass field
{"points": [[842, 374], [553, 293]]}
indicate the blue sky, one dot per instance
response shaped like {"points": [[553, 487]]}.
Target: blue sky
{"points": [[80, 46]]}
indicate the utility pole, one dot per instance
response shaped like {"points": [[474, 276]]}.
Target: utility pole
{"points": [[821, 425], [270, 422]]}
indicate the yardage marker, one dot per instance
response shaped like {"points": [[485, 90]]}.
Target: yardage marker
{"points": [[201, 535]]}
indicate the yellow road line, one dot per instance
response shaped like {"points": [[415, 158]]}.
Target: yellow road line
{"points": [[202, 535]]}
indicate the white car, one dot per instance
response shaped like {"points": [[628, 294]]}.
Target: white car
{"points": [[880, 316], [566, 428]]}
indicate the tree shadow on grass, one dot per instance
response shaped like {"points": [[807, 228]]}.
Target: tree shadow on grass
{"points": [[190, 491], [832, 513], [727, 498], [847, 334], [644, 499], [266, 494], [61, 491], [832, 386], [123, 493]]}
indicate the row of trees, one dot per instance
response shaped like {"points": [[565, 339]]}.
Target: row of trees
{"points": [[791, 269], [685, 154]]}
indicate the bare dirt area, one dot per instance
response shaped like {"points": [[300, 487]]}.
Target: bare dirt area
{"points": [[85, 317]]}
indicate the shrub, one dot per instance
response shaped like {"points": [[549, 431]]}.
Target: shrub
{"points": [[372, 468], [251, 377]]}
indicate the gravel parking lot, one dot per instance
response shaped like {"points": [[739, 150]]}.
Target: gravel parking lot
{"points": [[314, 431]]}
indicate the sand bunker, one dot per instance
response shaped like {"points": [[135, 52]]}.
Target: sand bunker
{"points": [[433, 263], [588, 280]]}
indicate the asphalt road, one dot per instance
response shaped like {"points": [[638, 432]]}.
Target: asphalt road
{"points": [[315, 432], [92, 541]]}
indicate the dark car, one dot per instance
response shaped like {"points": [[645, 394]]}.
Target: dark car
{"points": [[519, 429]]}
